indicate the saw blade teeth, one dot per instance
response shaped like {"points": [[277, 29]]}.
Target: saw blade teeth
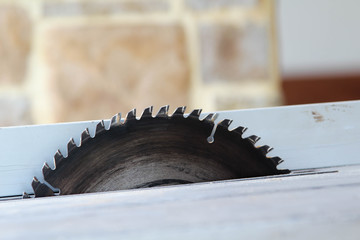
{"points": [[45, 165], [35, 184], [35, 180], [100, 127], [147, 113], [265, 149], [84, 135], [253, 139], [239, 130], [179, 112], [276, 160], [195, 113], [209, 117], [41, 189], [57, 158], [225, 123], [163, 112], [45, 170], [71, 145], [115, 120], [131, 115]]}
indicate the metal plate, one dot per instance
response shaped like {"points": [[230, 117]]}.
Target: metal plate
{"points": [[305, 136]]}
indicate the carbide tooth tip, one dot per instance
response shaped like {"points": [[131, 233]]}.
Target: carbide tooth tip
{"points": [[46, 169], [147, 113], [276, 160], [239, 130], [71, 145], [85, 135], [265, 149], [35, 179], [253, 139], [209, 117], [99, 127], [225, 123], [163, 112], [195, 113], [115, 119], [179, 112], [131, 115], [45, 165], [100, 124], [57, 158]]}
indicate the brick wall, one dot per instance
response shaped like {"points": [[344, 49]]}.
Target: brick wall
{"points": [[80, 60]]}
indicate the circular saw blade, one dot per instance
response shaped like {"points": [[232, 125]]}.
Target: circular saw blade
{"points": [[156, 151]]}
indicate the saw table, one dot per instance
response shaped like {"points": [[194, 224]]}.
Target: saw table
{"points": [[318, 199]]}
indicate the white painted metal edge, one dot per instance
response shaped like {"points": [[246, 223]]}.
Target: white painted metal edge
{"points": [[305, 136]]}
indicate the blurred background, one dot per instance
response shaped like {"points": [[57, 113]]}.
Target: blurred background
{"points": [[89, 59]]}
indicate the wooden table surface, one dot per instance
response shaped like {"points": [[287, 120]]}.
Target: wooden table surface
{"points": [[324, 204]]}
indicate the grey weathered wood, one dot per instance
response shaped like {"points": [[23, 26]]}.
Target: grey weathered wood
{"points": [[316, 206]]}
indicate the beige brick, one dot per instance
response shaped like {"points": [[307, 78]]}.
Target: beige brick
{"points": [[15, 40], [96, 71], [14, 110], [232, 53], [101, 7], [219, 4]]}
